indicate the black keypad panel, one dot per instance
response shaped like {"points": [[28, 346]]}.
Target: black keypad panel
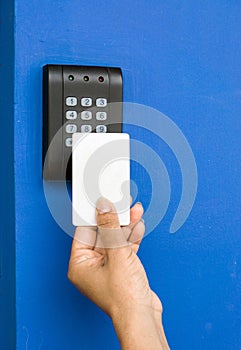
{"points": [[82, 99]]}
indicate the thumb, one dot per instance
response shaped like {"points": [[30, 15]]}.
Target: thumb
{"points": [[111, 235]]}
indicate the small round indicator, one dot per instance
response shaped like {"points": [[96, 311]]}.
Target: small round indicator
{"points": [[71, 77], [101, 79], [86, 78]]}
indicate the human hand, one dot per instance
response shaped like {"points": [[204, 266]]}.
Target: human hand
{"points": [[105, 268]]}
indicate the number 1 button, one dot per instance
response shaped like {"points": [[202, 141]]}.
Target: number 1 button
{"points": [[71, 101]]}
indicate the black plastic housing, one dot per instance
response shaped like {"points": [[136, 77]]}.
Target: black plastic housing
{"points": [[60, 82]]}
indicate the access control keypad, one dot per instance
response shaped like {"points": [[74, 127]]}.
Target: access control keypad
{"points": [[77, 99]]}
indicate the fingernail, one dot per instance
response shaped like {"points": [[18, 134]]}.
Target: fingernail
{"points": [[139, 203], [103, 205], [142, 220]]}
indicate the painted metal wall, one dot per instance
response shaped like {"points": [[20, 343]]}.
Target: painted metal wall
{"points": [[182, 58]]}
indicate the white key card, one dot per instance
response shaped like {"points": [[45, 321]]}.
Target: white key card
{"points": [[101, 168]]}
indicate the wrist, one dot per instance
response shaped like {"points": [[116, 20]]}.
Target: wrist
{"points": [[139, 327]]}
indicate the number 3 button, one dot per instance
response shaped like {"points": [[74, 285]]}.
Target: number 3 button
{"points": [[101, 102]]}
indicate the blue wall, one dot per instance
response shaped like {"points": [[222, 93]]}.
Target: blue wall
{"points": [[182, 58], [7, 202]]}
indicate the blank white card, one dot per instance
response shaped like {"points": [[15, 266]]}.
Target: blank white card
{"points": [[100, 168]]}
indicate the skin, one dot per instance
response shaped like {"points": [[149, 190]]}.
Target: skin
{"points": [[104, 266]]}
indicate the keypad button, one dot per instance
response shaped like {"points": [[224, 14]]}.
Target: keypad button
{"points": [[71, 128], [86, 102], [86, 128], [101, 102], [101, 128], [86, 115], [71, 115], [101, 116], [71, 101], [68, 142]]}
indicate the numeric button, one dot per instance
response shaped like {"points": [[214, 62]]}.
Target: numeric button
{"points": [[86, 102], [71, 101], [71, 115], [101, 128], [101, 116], [86, 128], [101, 102], [86, 115], [71, 128], [68, 142]]}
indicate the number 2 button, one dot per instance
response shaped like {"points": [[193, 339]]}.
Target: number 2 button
{"points": [[86, 102]]}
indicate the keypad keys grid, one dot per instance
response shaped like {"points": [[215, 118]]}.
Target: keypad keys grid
{"points": [[72, 101]]}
